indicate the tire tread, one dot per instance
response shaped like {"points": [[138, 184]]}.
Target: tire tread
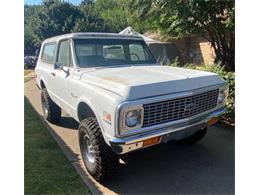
{"points": [[106, 160], [54, 111]]}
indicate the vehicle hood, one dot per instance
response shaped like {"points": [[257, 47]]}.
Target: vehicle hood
{"points": [[136, 82]]}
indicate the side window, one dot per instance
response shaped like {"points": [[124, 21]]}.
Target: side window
{"points": [[64, 53], [48, 53], [137, 52]]}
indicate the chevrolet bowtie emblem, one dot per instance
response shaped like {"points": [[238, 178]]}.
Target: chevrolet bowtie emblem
{"points": [[190, 107]]}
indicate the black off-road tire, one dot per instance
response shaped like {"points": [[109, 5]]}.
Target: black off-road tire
{"points": [[106, 161], [195, 137], [51, 111]]}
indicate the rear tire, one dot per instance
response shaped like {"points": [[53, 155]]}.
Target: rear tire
{"points": [[51, 111], [195, 137], [100, 161]]}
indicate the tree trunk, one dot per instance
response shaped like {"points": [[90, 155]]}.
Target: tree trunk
{"points": [[224, 48]]}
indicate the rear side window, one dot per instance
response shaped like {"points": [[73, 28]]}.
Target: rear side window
{"points": [[48, 53]]}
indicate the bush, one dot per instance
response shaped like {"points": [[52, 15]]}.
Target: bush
{"points": [[229, 77]]}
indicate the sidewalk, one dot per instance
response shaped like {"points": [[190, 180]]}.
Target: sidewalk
{"points": [[32, 74]]}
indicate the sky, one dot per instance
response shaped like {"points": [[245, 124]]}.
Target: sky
{"points": [[33, 2]]}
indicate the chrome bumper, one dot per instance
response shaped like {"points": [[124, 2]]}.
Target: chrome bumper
{"points": [[175, 132]]}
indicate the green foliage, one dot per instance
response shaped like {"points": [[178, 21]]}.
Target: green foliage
{"points": [[55, 17], [88, 25], [229, 77], [213, 20], [29, 47], [176, 62], [139, 17], [87, 2], [30, 12], [113, 13], [90, 20]]}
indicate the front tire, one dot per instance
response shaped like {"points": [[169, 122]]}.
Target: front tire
{"points": [[100, 161], [51, 111]]}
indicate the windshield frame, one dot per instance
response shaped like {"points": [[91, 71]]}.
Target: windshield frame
{"points": [[152, 58]]}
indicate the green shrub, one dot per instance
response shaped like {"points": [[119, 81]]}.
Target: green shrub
{"points": [[26, 66], [229, 77]]}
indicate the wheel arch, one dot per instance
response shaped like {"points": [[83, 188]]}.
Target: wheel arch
{"points": [[84, 111], [42, 84]]}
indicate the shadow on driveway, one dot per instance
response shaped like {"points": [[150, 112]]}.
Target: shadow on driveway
{"points": [[68, 122], [204, 168]]}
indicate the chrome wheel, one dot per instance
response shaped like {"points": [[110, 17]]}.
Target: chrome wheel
{"points": [[88, 150]]}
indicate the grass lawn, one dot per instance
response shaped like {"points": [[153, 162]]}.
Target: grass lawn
{"points": [[27, 79], [27, 72], [47, 171]]}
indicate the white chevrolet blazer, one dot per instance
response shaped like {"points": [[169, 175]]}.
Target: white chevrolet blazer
{"points": [[122, 98]]}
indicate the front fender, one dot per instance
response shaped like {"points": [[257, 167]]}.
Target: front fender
{"points": [[93, 108], [101, 102], [99, 108]]}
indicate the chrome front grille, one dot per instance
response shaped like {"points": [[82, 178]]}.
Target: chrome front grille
{"points": [[180, 108]]}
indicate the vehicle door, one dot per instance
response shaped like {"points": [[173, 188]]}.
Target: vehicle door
{"points": [[45, 67], [63, 68]]}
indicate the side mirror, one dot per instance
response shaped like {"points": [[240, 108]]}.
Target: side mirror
{"points": [[58, 66]]}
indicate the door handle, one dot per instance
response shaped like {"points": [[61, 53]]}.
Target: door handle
{"points": [[53, 74]]}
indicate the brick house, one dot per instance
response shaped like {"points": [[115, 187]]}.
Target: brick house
{"points": [[191, 49]]}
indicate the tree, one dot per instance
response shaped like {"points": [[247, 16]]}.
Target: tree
{"points": [[113, 13], [30, 13], [90, 20], [140, 17], [211, 19], [29, 47], [54, 18], [88, 24], [86, 2]]}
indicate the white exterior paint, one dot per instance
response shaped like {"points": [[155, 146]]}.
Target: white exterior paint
{"points": [[136, 82], [105, 89]]}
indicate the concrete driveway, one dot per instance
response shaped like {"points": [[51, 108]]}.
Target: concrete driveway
{"points": [[204, 168]]}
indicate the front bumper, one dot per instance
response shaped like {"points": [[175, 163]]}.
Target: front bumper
{"points": [[175, 132]]}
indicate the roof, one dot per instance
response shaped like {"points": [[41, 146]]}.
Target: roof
{"points": [[93, 35]]}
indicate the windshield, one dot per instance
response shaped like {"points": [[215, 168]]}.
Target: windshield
{"points": [[111, 52]]}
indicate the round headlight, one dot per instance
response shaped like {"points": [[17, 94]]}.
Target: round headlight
{"points": [[132, 118], [221, 98]]}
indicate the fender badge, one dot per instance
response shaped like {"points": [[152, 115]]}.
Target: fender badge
{"points": [[107, 117]]}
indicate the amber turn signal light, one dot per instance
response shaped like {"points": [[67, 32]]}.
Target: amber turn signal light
{"points": [[213, 121], [152, 141]]}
